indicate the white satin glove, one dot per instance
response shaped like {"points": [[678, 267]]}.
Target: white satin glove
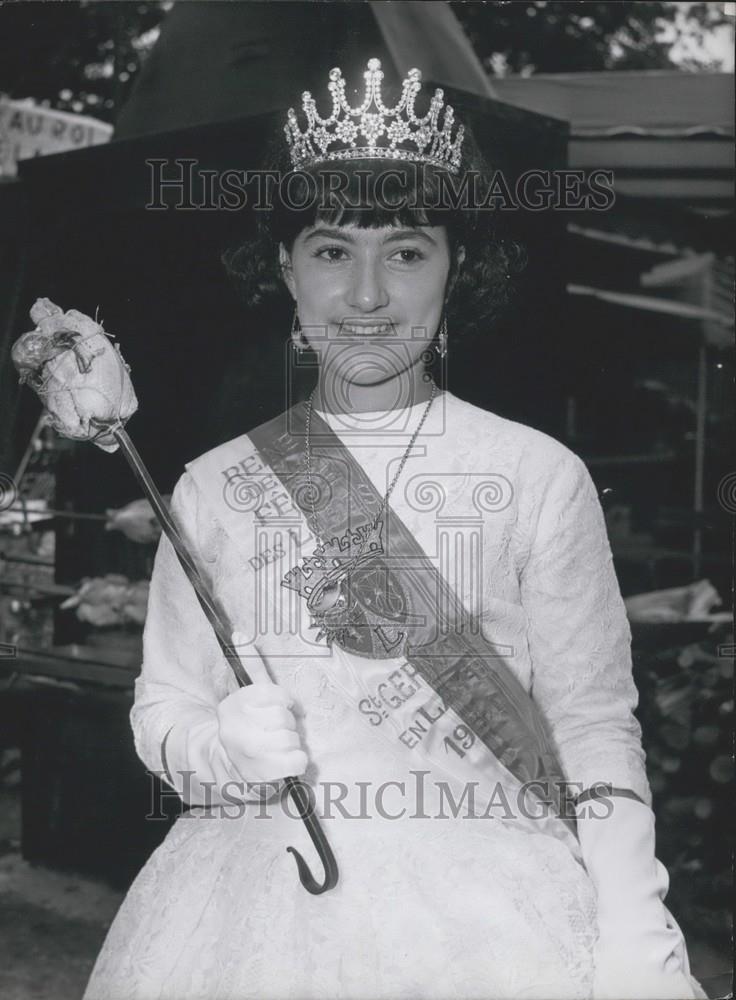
{"points": [[640, 953], [221, 756]]}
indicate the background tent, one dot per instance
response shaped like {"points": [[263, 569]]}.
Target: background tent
{"points": [[219, 61]]}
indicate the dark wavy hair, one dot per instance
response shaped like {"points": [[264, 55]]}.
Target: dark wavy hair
{"points": [[411, 195]]}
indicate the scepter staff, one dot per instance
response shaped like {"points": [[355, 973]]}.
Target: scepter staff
{"points": [[57, 360], [295, 787]]}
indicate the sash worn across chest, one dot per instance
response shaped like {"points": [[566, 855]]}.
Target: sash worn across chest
{"points": [[400, 604]]}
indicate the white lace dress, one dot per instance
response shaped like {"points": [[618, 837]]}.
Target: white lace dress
{"points": [[425, 907]]}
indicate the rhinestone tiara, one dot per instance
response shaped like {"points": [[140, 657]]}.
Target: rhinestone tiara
{"points": [[354, 133]]}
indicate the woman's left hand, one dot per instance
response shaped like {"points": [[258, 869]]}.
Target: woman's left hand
{"points": [[640, 963], [640, 953]]}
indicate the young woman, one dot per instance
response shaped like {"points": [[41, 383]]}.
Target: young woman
{"points": [[424, 594]]}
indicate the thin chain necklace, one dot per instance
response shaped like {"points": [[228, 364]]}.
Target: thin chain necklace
{"points": [[310, 484], [329, 601]]}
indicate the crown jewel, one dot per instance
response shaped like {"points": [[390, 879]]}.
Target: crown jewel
{"points": [[352, 133], [330, 562], [324, 580]]}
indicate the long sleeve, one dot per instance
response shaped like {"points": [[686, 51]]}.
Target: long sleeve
{"points": [[184, 674], [580, 646], [579, 636]]}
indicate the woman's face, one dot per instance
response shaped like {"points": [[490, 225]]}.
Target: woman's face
{"points": [[369, 300]]}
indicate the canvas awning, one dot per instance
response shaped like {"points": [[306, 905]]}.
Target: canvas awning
{"points": [[665, 134]]}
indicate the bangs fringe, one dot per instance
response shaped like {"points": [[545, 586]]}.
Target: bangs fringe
{"points": [[363, 193]]}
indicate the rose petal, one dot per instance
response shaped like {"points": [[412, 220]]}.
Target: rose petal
{"points": [[82, 379]]}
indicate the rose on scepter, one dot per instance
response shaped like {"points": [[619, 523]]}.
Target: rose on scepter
{"points": [[79, 375]]}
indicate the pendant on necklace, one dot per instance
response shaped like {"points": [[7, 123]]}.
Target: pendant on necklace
{"points": [[323, 580], [337, 622]]}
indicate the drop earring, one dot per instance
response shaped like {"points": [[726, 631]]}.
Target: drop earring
{"points": [[441, 345], [298, 340]]}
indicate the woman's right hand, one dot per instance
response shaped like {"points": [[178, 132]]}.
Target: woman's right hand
{"points": [[258, 730]]}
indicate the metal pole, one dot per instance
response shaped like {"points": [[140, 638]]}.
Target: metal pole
{"points": [[700, 428]]}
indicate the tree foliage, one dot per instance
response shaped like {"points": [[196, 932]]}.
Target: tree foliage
{"points": [[544, 37], [83, 55]]}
